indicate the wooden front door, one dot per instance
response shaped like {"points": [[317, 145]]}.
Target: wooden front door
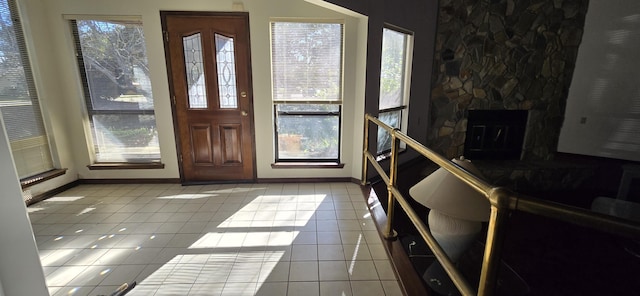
{"points": [[209, 65]]}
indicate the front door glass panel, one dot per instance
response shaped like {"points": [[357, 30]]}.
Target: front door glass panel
{"points": [[194, 66], [225, 62]]}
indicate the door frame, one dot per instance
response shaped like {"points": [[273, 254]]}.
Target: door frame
{"points": [[176, 131]]}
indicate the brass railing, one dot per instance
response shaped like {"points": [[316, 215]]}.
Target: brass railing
{"points": [[502, 202]]}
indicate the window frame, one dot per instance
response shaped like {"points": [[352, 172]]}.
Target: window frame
{"points": [[91, 111], [306, 101], [403, 107], [279, 114]]}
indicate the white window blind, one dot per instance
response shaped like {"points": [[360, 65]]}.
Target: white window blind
{"points": [[18, 98], [306, 61]]}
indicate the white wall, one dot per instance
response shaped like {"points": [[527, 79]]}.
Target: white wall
{"points": [[603, 108], [58, 84]]}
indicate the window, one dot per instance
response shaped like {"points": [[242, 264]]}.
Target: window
{"points": [[307, 90], [18, 98], [115, 75], [395, 71]]}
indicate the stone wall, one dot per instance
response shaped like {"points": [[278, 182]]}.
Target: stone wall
{"points": [[504, 54]]}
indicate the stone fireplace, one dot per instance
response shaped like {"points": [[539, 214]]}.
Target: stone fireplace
{"points": [[504, 55]]}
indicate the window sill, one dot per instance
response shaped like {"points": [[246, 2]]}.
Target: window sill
{"points": [[125, 166], [307, 165], [39, 178]]}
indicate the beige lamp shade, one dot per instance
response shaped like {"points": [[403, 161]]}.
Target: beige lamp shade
{"points": [[443, 192]]}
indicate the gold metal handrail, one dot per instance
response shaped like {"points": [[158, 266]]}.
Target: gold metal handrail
{"points": [[502, 202]]}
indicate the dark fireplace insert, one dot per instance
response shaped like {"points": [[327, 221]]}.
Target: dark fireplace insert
{"points": [[495, 134]]}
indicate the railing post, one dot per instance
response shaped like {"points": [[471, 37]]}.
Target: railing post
{"points": [[363, 179], [499, 198], [393, 173]]}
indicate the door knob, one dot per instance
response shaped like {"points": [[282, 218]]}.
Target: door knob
{"points": [[244, 113], [243, 94]]}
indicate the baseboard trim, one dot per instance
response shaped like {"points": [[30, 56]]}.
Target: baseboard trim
{"points": [[42, 196], [131, 181], [305, 180]]}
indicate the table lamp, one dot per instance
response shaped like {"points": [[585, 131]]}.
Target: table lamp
{"points": [[455, 219]]}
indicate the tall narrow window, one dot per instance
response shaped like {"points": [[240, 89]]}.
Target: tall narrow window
{"points": [[114, 70], [18, 98], [306, 66], [394, 84]]}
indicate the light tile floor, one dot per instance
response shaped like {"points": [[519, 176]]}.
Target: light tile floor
{"points": [[233, 239]]}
